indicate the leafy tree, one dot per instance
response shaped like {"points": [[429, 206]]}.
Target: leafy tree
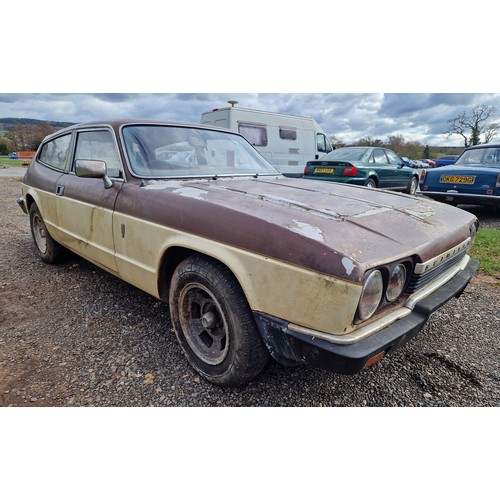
{"points": [[472, 126], [427, 152], [3, 148], [27, 137]]}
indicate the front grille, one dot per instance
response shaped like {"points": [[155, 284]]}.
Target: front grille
{"points": [[418, 281]]}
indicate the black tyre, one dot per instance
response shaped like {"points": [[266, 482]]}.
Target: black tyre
{"points": [[214, 324], [48, 249], [412, 186], [371, 183]]}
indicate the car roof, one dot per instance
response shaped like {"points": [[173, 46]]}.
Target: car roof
{"points": [[116, 124], [487, 145]]}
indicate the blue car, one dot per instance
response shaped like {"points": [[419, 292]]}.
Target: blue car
{"points": [[474, 179], [446, 160]]}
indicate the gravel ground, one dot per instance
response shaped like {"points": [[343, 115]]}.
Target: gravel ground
{"points": [[73, 335]]}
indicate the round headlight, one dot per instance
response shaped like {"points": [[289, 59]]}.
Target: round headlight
{"points": [[396, 284], [371, 295]]}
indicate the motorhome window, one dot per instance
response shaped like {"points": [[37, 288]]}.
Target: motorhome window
{"points": [[288, 134], [254, 134]]}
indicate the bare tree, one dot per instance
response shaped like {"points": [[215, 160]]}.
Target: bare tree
{"points": [[490, 131], [368, 141], [472, 126]]}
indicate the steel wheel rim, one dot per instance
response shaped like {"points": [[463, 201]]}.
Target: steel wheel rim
{"points": [[204, 324], [39, 232], [414, 186]]}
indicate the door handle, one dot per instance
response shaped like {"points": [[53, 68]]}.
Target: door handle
{"points": [[60, 190]]}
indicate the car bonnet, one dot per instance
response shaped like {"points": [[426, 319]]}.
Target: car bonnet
{"points": [[308, 222]]}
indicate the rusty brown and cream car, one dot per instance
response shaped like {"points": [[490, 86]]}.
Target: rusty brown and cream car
{"points": [[252, 264]]}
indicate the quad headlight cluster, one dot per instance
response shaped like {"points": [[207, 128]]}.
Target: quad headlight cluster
{"points": [[382, 286]]}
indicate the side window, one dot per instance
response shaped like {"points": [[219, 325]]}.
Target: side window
{"points": [[256, 135], [394, 159], [99, 145], [379, 156], [323, 144], [55, 153], [288, 134]]}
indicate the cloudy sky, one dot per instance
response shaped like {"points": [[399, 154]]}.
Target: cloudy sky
{"points": [[417, 116]]}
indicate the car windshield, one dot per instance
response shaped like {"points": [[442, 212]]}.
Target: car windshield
{"points": [[350, 154], [163, 151], [483, 156]]}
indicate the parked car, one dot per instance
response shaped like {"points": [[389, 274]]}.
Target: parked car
{"points": [[430, 163], [251, 263], [473, 179], [420, 164], [364, 166], [446, 160], [407, 162]]}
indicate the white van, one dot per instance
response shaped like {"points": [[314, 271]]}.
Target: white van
{"points": [[287, 142]]}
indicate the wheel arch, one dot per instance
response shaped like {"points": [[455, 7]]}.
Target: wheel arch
{"points": [[374, 177], [173, 256]]}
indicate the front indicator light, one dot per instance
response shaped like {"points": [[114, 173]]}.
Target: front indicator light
{"points": [[374, 359], [371, 296], [397, 283]]}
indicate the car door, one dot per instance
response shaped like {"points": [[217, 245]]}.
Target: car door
{"points": [[399, 175], [84, 206], [49, 166], [382, 168]]}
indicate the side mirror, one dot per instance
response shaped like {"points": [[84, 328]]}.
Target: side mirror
{"points": [[93, 169]]}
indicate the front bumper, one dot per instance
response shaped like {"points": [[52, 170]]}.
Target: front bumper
{"points": [[291, 347]]}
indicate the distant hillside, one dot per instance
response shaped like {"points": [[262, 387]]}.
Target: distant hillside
{"points": [[6, 123]]}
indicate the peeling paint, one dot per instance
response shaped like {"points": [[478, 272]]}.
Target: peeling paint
{"points": [[374, 211], [179, 188], [419, 215], [311, 232], [348, 265], [190, 192]]}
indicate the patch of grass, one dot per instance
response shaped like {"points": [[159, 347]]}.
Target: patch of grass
{"points": [[487, 249], [8, 162]]}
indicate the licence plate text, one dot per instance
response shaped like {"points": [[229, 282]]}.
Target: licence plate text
{"points": [[324, 170], [457, 179]]}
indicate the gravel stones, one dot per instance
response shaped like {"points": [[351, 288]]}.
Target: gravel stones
{"points": [[73, 335]]}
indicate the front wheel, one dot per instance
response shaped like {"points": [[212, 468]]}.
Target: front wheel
{"points": [[48, 249], [412, 186], [214, 324]]}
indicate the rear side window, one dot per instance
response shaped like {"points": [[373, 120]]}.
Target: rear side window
{"points": [[256, 135], [394, 159], [55, 153], [379, 156]]}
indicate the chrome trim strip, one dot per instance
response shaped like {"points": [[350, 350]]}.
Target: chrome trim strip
{"points": [[436, 261], [457, 194]]}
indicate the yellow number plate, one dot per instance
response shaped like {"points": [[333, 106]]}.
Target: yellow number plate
{"points": [[324, 170], [457, 179]]}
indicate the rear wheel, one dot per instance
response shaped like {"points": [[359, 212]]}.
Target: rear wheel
{"points": [[214, 324], [47, 248], [371, 183]]}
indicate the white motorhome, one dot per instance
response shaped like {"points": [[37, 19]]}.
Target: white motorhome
{"points": [[287, 142]]}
